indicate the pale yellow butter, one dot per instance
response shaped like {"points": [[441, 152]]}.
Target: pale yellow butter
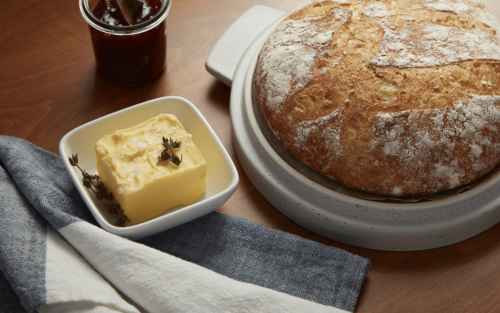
{"points": [[127, 165]]}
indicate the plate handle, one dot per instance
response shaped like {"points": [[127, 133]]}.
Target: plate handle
{"points": [[227, 52]]}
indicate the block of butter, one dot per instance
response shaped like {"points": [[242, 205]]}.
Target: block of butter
{"points": [[127, 164]]}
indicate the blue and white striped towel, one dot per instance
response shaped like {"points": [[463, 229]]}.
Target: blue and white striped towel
{"points": [[54, 258]]}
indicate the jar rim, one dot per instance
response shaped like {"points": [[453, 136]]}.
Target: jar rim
{"points": [[124, 30]]}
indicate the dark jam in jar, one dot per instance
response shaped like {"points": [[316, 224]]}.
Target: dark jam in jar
{"points": [[124, 56]]}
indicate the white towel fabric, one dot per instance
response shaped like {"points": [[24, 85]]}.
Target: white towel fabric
{"points": [[155, 281]]}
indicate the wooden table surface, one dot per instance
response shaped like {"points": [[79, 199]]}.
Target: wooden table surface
{"points": [[49, 86]]}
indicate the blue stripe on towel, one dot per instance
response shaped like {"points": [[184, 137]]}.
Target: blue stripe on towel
{"points": [[255, 254], [9, 302], [42, 177], [22, 227]]}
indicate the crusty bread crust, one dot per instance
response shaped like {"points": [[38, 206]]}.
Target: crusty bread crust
{"points": [[398, 98]]}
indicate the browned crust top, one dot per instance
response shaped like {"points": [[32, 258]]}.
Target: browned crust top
{"points": [[395, 98]]}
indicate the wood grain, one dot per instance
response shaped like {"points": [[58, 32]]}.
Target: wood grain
{"points": [[48, 86]]}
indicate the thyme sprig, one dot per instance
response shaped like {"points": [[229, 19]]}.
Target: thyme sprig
{"points": [[93, 183], [170, 144]]}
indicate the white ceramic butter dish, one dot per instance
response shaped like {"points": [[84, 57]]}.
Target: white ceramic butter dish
{"points": [[222, 175]]}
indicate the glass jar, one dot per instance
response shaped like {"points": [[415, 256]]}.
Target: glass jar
{"points": [[127, 55]]}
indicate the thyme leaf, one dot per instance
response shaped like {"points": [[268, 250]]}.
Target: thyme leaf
{"points": [[94, 184], [170, 144]]}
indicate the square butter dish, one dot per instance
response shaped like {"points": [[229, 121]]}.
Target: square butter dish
{"points": [[221, 175]]}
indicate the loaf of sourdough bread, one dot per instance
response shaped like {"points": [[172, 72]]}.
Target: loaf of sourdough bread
{"points": [[398, 98]]}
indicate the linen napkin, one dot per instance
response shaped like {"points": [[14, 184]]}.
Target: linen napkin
{"points": [[54, 257]]}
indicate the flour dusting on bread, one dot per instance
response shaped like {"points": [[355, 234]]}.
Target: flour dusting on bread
{"points": [[457, 7], [414, 136], [288, 56], [376, 10], [426, 45]]}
